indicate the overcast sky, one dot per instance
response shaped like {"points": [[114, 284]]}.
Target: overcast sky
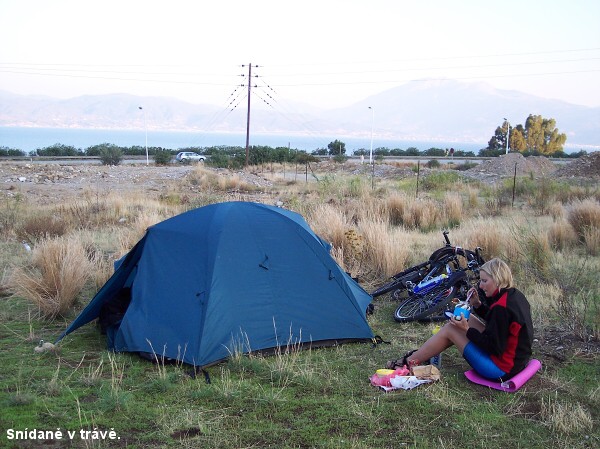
{"points": [[327, 53]]}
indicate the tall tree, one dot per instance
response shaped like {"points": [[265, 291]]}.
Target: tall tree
{"points": [[517, 139], [336, 147], [539, 135]]}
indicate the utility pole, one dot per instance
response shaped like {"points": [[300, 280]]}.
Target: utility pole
{"points": [[248, 115]]}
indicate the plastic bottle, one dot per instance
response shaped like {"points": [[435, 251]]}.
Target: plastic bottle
{"points": [[436, 360], [428, 283]]}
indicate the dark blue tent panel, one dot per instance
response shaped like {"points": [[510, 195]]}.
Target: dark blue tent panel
{"points": [[227, 278]]}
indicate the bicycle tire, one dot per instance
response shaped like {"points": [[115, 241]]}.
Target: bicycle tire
{"points": [[398, 281], [416, 308], [388, 287]]}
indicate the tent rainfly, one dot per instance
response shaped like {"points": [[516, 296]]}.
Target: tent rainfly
{"points": [[227, 278]]}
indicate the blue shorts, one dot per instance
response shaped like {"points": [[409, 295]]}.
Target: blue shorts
{"points": [[481, 362]]}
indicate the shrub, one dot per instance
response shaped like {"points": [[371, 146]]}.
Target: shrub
{"points": [[465, 166], [111, 155], [441, 180], [43, 225], [433, 163], [162, 157]]}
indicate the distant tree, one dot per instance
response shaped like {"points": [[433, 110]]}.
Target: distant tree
{"points": [[58, 149], [381, 151], [487, 152], [412, 151], [302, 157], [336, 147], [95, 150], [397, 152], [538, 136], [6, 151], [434, 152], [319, 152], [517, 140]]}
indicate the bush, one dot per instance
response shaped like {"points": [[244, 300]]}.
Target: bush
{"points": [[433, 163], [111, 156], [162, 157], [441, 180]]}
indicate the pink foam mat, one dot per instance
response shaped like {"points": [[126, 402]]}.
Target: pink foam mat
{"points": [[509, 385]]}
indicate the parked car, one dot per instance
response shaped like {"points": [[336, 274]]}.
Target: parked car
{"points": [[189, 156]]}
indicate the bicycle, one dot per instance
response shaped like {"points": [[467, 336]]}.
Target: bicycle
{"points": [[432, 286], [413, 275]]}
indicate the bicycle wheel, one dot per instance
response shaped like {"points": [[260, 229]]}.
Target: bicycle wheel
{"points": [[419, 307], [388, 287]]}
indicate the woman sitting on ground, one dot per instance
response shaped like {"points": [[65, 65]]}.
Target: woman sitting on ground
{"points": [[498, 347]]}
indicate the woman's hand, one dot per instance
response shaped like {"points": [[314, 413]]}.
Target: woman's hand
{"points": [[473, 297], [461, 323]]}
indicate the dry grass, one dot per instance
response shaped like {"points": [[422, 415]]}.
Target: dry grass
{"points": [[204, 179], [584, 215], [488, 235], [543, 299], [566, 418], [591, 238], [386, 249], [330, 223], [561, 235], [394, 207], [58, 272], [453, 208], [556, 211], [424, 214]]}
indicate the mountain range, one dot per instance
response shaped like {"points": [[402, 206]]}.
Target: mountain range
{"points": [[430, 110]]}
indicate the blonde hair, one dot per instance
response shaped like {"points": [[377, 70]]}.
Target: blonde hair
{"points": [[499, 272]]}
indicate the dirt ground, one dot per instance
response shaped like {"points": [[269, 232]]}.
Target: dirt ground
{"points": [[57, 182]]}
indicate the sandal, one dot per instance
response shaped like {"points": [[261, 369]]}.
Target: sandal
{"points": [[401, 363]]}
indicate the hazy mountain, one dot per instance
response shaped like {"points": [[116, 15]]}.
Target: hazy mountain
{"points": [[444, 110]]}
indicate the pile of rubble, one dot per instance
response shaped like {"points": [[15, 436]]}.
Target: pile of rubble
{"points": [[587, 166], [506, 165]]}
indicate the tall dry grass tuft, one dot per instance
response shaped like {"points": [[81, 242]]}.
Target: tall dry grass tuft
{"points": [[584, 215], [422, 214], [485, 234], [386, 250], [561, 235], [591, 238], [43, 225], [453, 208], [557, 211], [59, 270], [330, 223], [473, 197], [394, 207]]}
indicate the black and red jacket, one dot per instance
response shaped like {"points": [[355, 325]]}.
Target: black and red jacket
{"points": [[508, 333]]}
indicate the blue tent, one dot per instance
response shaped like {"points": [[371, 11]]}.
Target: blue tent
{"points": [[228, 278]]}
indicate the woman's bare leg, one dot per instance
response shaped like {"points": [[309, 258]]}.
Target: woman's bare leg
{"points": [[447, 336]]}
